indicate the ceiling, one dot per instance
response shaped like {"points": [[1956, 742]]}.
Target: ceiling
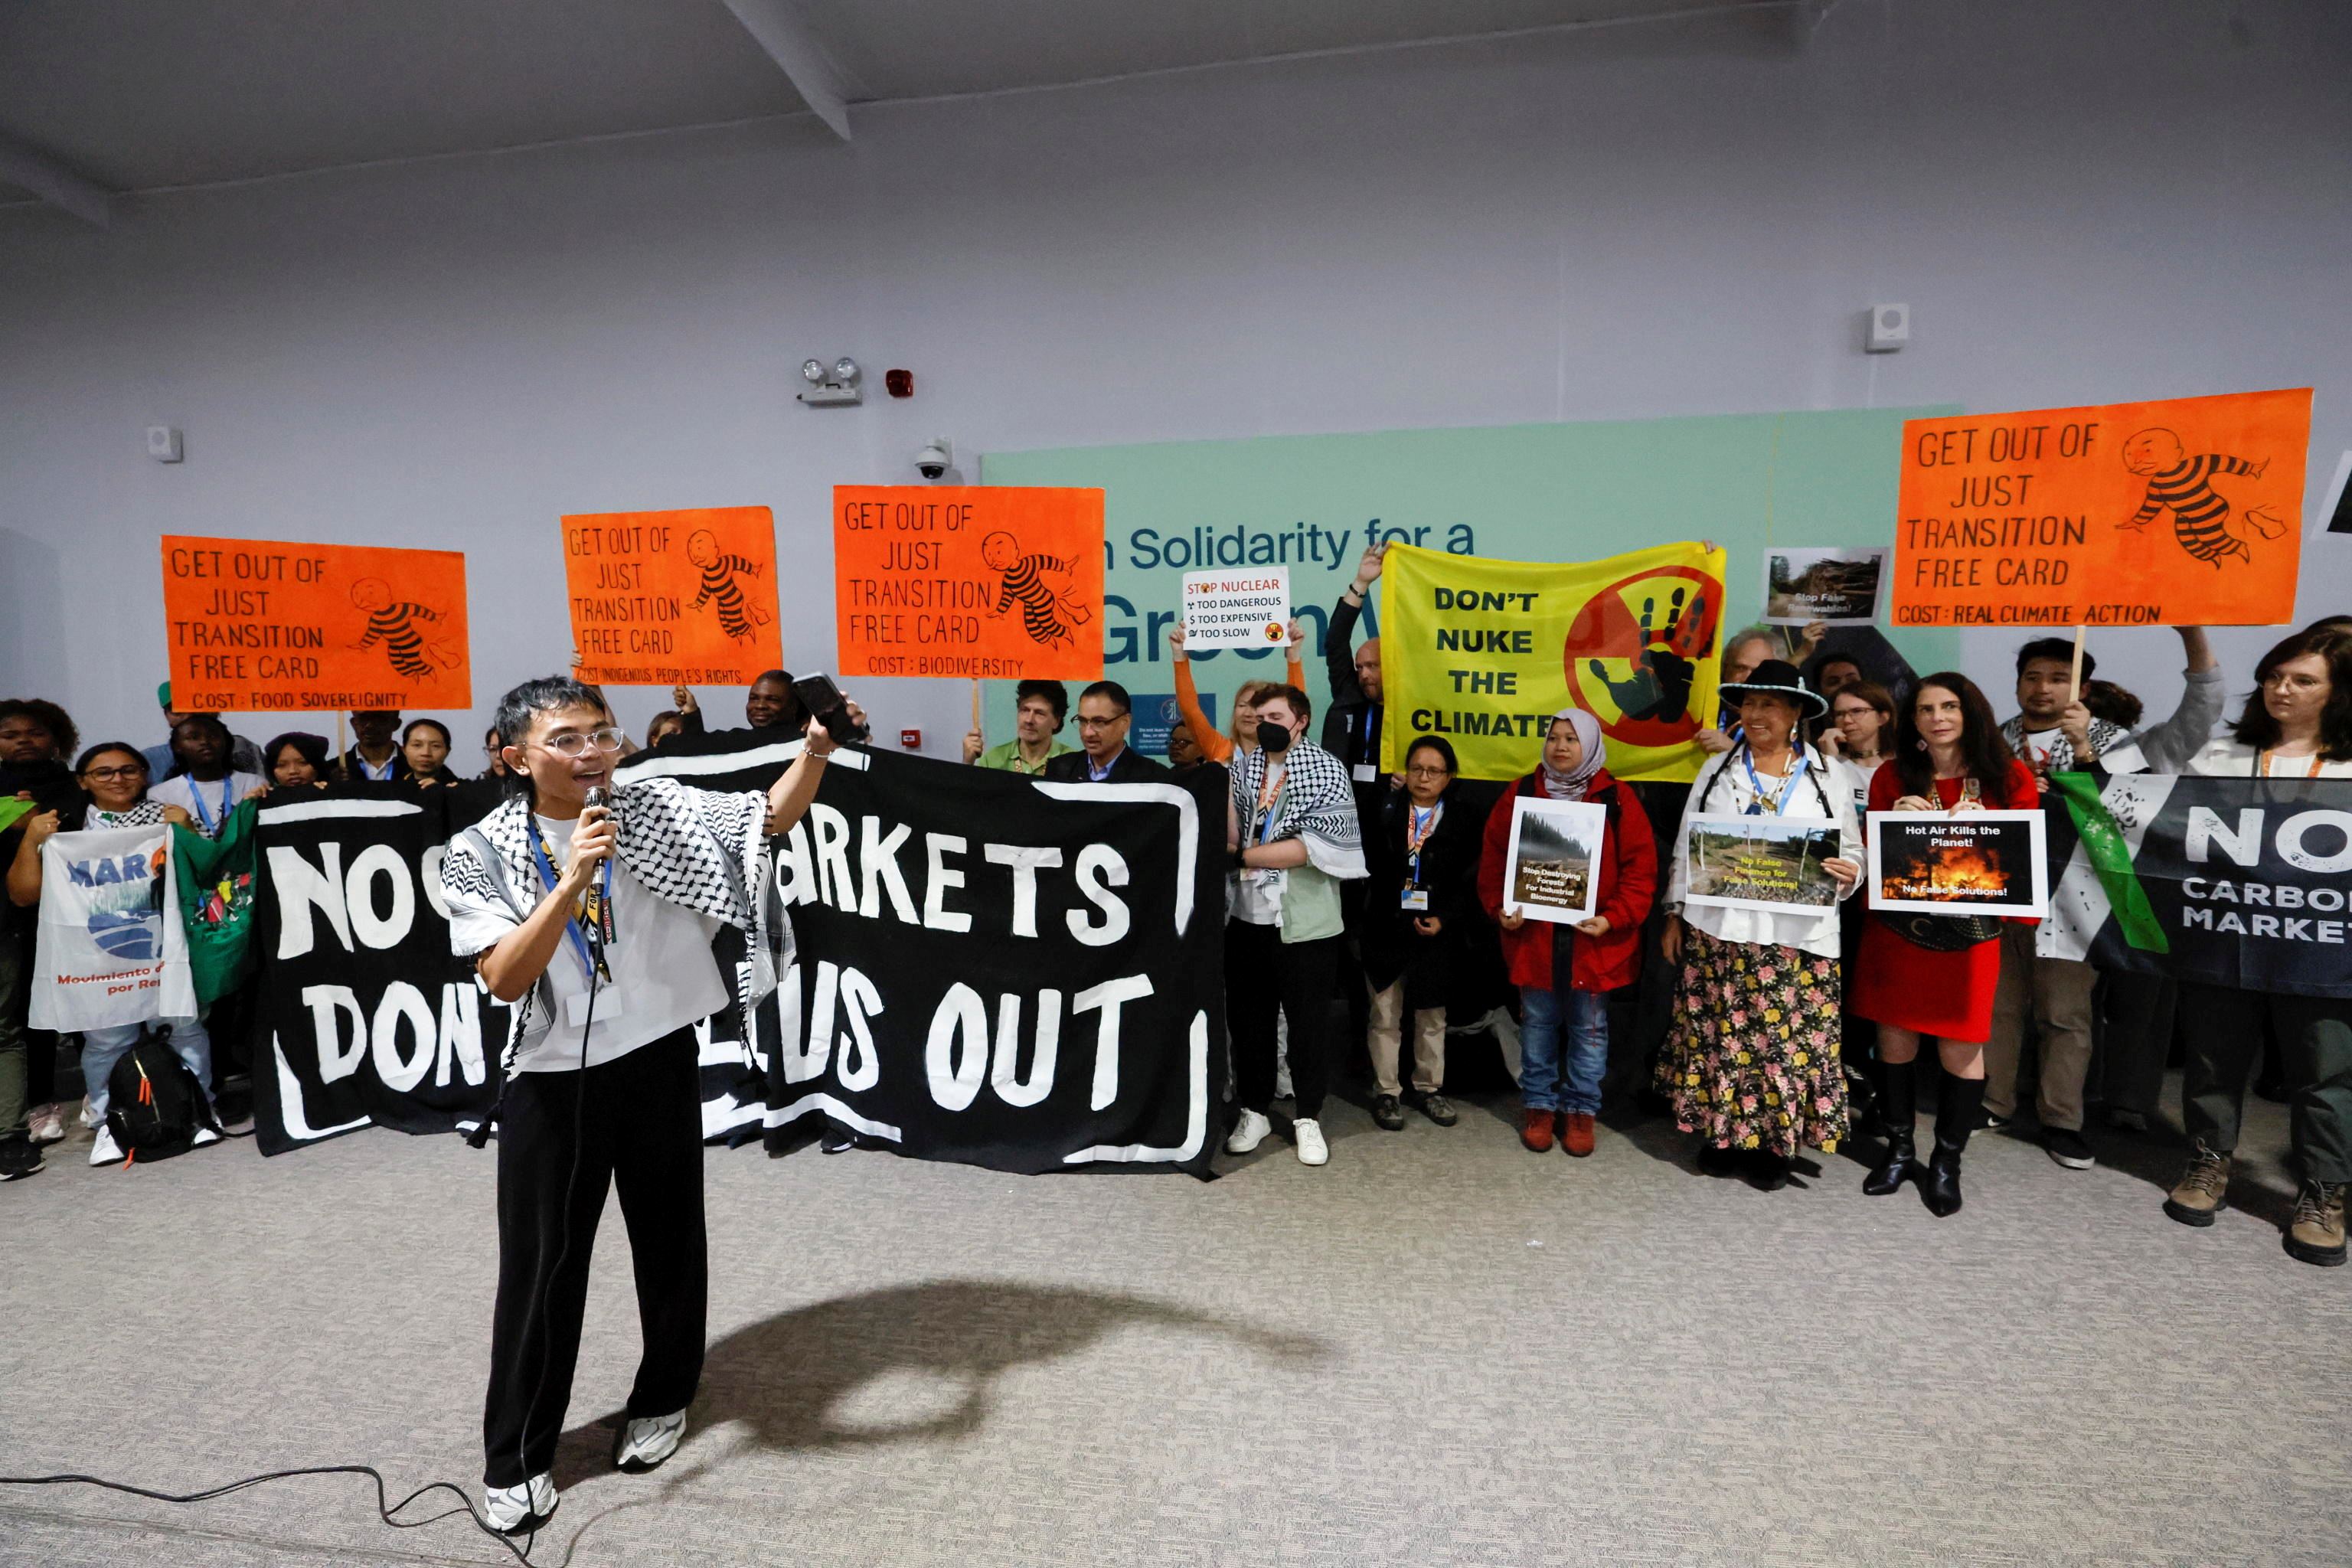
{"points": [[103, 96]]}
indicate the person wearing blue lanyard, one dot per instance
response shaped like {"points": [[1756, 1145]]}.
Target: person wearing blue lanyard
{"points": [[1751, 1065], [375, 754], [205, 786], [1423, 860], [596, 926]]}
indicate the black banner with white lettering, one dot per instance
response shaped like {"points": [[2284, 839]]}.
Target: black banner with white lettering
{"points": [[364, 1018], [990, 968], [2224, 881]]}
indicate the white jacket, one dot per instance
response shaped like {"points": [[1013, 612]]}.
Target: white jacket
{"points": [[1722, 789]]}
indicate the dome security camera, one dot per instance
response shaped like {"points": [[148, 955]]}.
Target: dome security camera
{"points": [[936, 458]]}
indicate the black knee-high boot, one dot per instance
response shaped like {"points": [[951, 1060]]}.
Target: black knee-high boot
{"points": [[1956, 1112], [1898, 1091]]}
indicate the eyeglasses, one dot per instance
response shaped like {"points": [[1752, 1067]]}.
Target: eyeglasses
{"points": [[1101, 723], [1425, 772], [108, 775], [572, 744]]}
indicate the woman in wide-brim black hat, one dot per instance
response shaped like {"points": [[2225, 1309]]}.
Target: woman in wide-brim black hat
{"points": [[1751, 1065]]}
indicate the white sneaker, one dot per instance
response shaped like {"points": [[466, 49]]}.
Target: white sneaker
{"points": [[511, 1510], [646, 1443], [1312, 1150], [46, 1124], [90, 1117], [203, 1135], [105, 1150], [1248, 1132]]}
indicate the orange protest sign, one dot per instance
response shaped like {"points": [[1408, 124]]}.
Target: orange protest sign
{"points": [[670, 598], [979, 582], [2185, 512], [256, 626]]}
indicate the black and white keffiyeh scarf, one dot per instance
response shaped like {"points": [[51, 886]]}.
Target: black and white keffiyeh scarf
{"points": [[146, 814], [699, 848], [1316, 804]]}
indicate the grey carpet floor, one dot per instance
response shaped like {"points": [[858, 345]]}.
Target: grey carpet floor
{"points": [[1439, 1349]]}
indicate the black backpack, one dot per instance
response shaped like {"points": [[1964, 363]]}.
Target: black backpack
{"points": [[155, 1104]]}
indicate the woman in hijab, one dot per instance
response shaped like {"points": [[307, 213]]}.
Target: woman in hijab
{"points": [[1565, 972], [1752, 1064]]}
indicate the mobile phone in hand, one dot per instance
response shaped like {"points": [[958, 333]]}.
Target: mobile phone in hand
{"points": [[824, 700]]}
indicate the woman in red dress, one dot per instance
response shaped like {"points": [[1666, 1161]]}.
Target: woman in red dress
{"points": [[1949, 756]]}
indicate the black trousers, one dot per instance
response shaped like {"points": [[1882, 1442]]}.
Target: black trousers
{"points": [[639, 1120], [2133, 1015], [1264, 974], [2222, 1031]]}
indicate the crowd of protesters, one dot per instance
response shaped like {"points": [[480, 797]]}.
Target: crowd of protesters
{"points": [[1369, 905]]}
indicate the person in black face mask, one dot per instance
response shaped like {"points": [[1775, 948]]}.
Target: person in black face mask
{"points": [[1293, 833]]}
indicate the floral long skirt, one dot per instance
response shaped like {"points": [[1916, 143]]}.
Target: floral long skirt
{"points": [[1752, 1059]]}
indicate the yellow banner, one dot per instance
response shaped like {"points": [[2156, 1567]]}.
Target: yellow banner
{"points": [[1483, 652]]}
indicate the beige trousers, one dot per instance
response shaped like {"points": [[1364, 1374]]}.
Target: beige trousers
{"points": [[2056, 993], [1385, 1040]]}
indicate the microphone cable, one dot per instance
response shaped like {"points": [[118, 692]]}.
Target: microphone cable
{"points": [[544, 1285]]}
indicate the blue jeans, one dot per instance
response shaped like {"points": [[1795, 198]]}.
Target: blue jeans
{"points": [[101, 1048], [1551, 1078]]}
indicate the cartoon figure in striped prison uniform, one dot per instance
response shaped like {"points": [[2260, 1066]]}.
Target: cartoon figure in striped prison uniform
{"points": [[392, 624], [1045, 612], [2200, 514], [737, 615]]}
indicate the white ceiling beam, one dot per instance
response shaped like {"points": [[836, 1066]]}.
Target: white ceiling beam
{"points": [[780, 28], [55, 183]]}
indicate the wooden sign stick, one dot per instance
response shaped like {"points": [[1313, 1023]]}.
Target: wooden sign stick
{"points": [[2075, 680], [975, 710], [342, 748]]}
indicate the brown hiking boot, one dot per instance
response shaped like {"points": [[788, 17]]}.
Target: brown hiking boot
{"points": [[2315, 1233], [2202, 1188], [1576, 1132], [1535, 1130]]}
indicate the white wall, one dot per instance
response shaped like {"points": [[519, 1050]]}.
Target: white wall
{"points": [[2081, 200]]}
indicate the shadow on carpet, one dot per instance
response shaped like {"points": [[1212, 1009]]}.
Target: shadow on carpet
{"points": [[788, 1379]]}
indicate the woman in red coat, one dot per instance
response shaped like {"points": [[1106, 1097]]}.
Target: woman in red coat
{"points": [[1565, 972], [1949, 756]]}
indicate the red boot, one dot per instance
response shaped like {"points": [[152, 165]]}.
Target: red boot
{"points": [[1576, 1132], [1535, 1131]]}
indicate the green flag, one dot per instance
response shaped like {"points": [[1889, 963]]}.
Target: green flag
{"points": [[2111, 858]]}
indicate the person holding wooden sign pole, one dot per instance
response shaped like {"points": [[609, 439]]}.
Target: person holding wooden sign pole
{"points": [[2053, 731]]}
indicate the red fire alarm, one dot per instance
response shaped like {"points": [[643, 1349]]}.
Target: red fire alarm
{"points": [[898, 382], [912, 739]]}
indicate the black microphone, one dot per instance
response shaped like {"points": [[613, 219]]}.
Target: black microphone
{"points": [[600, 930]]}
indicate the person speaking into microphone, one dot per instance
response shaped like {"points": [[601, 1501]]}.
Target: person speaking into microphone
{"points": [[590, 906]]}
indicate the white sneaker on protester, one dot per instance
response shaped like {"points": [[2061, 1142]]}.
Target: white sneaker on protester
{"points": [[1312, 1150], [89, 1117], [511, 1510], [646, 1443], [1248, 1132], [105, 1150], [203, 1135], [46, 1124]]}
